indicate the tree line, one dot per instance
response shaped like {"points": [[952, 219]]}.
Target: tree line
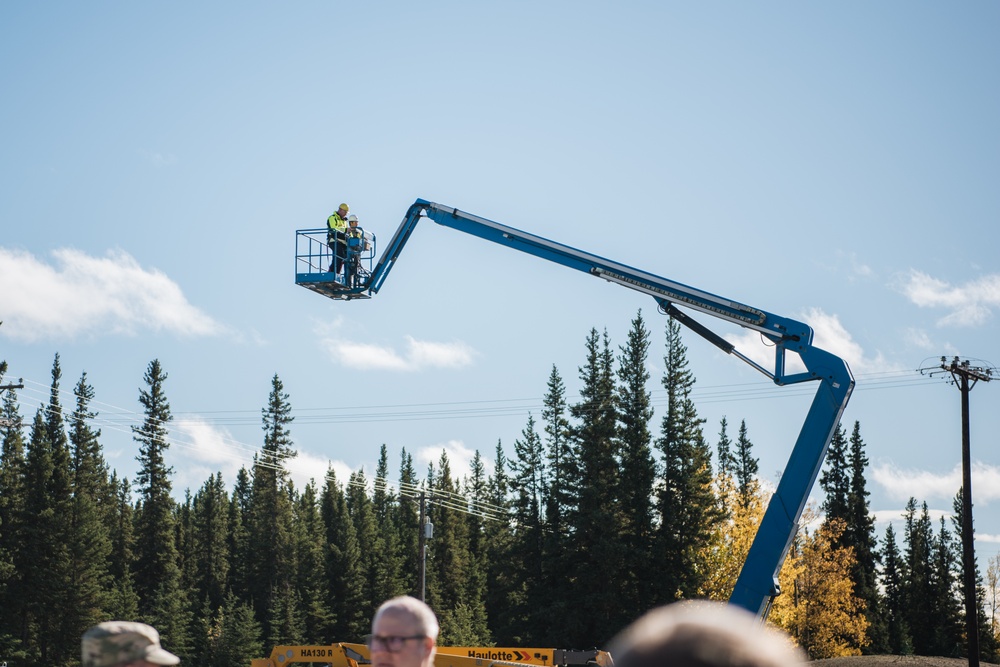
{"points": [[593, 519]]}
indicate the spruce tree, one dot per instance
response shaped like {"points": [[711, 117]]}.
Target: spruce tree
{"points": [[686, 504], [725, 458], [236, 636], [481, 512], [847, 502], [67, 622], [163, 601], [362, 513], [947, 639], [89, 540], [43, 557], [186, 549], [523, 578], [501, 568], [124, 600], [382, 497], [638, 469], [406, 519], [61, 459], [345, 583], [238, 539], [449, 560], [12, 501], [286, 617], [860, 534], [561, 462], [987, 638], [746, 467], [272, 556], [389, 581], [311, 578], [836, 479], [155, 546], [893, 573], [595, 549], [210, 542], [918, 590], [562, 475]]}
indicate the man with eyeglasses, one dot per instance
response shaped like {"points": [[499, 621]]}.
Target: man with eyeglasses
{"points": [[404, 634]]}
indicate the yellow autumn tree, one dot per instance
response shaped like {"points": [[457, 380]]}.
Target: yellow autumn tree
{"points": [[992, 601], [817, 606], [730, 542]]}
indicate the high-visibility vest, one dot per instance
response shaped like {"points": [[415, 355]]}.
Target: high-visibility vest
{"points": [[335, 224], [361, 242]]}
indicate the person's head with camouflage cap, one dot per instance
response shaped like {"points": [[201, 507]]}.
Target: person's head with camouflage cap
{"points": [[119, 643]]}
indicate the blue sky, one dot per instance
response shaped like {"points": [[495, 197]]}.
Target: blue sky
{"points": [[831, 162]]}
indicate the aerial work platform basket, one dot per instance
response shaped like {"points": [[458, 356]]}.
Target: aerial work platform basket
{"points": [[314, 265]]}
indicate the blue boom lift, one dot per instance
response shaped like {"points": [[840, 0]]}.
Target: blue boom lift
{"points": [[758, 581]]}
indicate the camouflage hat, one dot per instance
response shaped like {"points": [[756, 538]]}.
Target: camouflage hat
{"points": [[120, 642]]}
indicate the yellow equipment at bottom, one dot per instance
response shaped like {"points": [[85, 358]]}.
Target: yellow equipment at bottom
{"points": [[345, 654]]}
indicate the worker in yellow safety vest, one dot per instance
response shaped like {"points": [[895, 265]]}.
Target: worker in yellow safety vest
{"points": [[336, 237], [357, 244]]}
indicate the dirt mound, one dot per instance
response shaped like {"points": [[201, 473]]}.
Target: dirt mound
{"points": [[896, 661]]}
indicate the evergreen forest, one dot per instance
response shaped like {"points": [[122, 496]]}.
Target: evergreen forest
{"points": [[519, 556]]}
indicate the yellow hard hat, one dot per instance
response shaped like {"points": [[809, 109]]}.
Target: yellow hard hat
{"points": [[345, 207]]}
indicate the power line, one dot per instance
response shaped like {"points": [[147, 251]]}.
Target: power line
{"points": [[123, 420], [500, 408], [257, 457]]}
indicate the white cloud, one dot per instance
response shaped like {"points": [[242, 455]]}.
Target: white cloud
{"points": [[204, 449], [160, 159], [829, 335], [859, 270], [887, 516], [459, 457], [970, 304], [439, 355], [416, 355], [305, 467], [883, 518], [901, 484], [856, 271], [84, 295], [918, 338], [367, 356], [862, 270]]}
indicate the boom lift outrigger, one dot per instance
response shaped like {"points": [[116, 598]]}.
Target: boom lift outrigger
{"points": [[758, 581]]}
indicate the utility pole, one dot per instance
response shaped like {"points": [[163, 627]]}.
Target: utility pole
{"points": [[422, 548], [965, 376], [5, 423], [455, 502], [426, 533]]}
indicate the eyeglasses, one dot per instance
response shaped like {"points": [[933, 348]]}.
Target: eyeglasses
{"points": [[391, 643]]}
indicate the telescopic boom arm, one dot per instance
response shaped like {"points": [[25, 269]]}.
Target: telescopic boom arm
{"points": [[758, 581]]}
